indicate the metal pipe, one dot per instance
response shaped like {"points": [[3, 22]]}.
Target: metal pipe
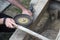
{"points": [[31, 32]]}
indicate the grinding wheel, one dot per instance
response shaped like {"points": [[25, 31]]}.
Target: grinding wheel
{"points": [[23, 20]]}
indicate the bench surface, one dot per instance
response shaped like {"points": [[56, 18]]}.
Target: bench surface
{"points": [[3, 4]]}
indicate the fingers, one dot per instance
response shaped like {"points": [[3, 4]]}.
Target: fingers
{"points": [[28, 12], [13, 22], [10, 23]]}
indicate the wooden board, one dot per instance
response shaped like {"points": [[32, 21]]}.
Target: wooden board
{"points": [[3, 4], [39, 8]]}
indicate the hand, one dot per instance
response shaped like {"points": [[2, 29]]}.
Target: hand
{"points": [[24, 10], [9, 23], [28, 12]]}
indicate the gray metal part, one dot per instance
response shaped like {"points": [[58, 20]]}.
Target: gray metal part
{"points": [[3, 4]]}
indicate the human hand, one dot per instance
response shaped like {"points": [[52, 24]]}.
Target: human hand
{"points": [[28, 12], [9, 23]]}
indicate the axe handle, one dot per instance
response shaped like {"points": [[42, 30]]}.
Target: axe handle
{"points": [[31, 32]]}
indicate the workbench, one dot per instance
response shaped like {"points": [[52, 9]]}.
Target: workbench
{"points": [[39, 8]]}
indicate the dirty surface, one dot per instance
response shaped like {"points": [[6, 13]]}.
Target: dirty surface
{"points": [[50, 30]]}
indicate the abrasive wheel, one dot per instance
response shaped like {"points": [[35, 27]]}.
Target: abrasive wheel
{"points": [[23, 20]]}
